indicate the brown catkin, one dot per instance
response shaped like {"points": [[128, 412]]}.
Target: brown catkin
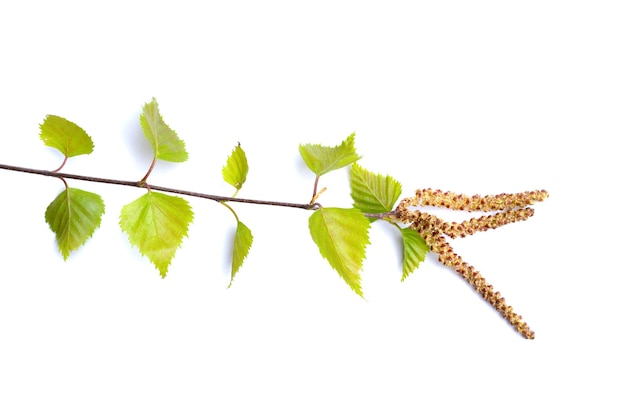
{"points": [[467, 227], [447, 199], [448, 257], [480, 224]]}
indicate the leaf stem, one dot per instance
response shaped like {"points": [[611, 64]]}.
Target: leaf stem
{"points": [[381, 216], [62, 165], [231, 210], [315, 194], [145, 177], [143, 184]]}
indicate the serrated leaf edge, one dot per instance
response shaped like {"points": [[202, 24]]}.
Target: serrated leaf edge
{"points": [[152, 116], [237, 162], [66, 142], [410, 257], [337, 163], [65, 252], [163, 269], [239, 258], [355, 286], [384, 181]]}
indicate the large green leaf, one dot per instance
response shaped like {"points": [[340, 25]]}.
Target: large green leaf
{"points": [[236, 169], [241, 247], [73, 216], [67, 137], [165, 142], [341, 236], [156, 223], [373, 193], [415, 250], [322, 159]]}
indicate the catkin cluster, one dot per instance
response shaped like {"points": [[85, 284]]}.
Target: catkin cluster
{"points": [[510, 208]]}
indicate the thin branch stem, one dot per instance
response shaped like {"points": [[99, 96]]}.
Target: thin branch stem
{"points": [[142, 184]]}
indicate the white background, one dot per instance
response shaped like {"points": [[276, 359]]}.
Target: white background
{"points": [[474, 97]]}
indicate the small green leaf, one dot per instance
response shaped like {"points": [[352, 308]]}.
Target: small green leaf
{"points": [[373, 193], [73, 216], [236, 169], [415, 250], [241, 247], [165, 142], [341, 236], [65, 136], [156, 223], [322, 159]]}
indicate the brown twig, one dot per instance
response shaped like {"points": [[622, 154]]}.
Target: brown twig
{"points": [[143, 184]]}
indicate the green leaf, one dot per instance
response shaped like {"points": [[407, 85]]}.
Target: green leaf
{"points": [[236, 169], [73, 216], [373, 193], [156, 223], [341, 236], [65, 136], [241, 247], [322, 159], [165, 142], [415, 250]]}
